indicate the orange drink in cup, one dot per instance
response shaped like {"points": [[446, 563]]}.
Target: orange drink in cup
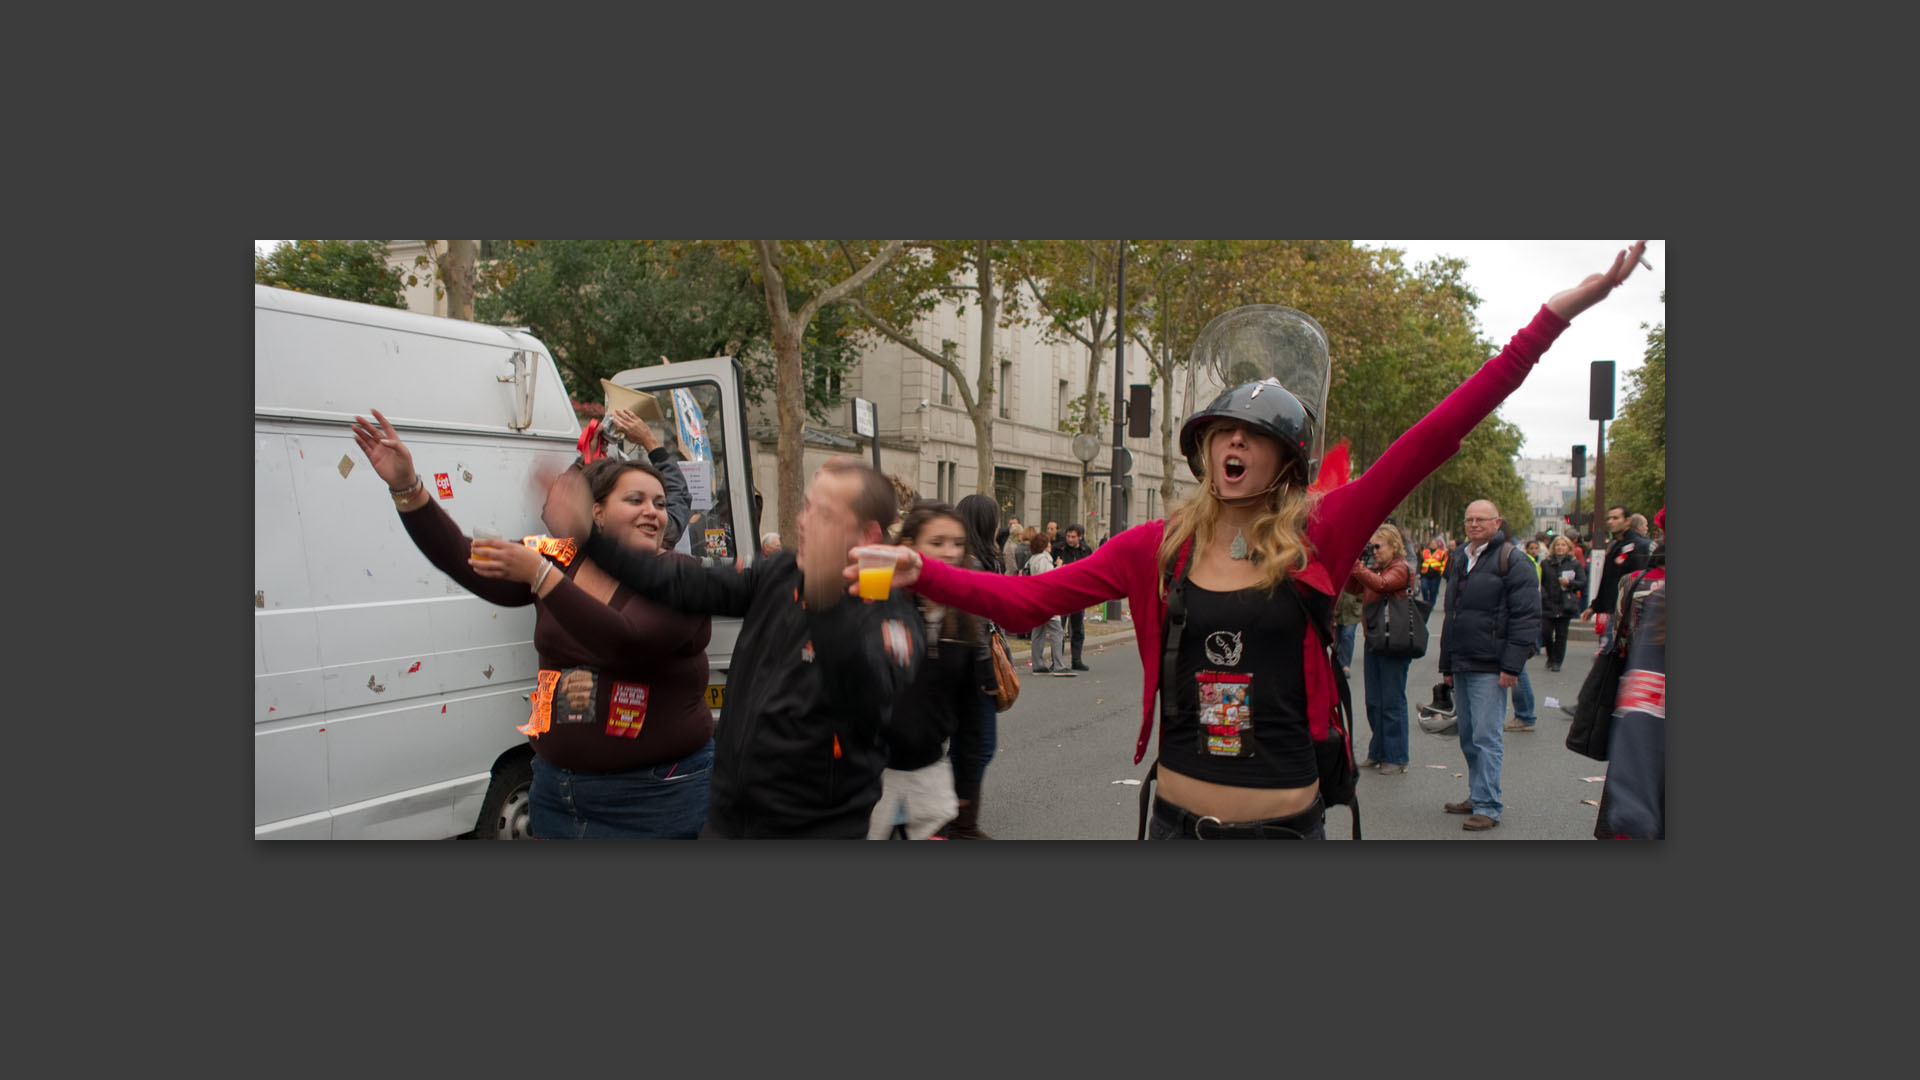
{"points": [[876, 574], [481, 532]]}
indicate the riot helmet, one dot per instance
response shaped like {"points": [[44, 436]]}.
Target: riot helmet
{"points": [[1276, 360]]}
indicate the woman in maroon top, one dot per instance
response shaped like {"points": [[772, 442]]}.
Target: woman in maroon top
{"points": [[1385, 676], [1253, 685], [622, 735]]}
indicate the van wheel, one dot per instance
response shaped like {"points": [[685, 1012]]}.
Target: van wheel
{"points": [[504, 812]]}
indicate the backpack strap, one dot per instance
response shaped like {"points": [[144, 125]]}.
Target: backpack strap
{"points": [[1173, 584], [1323, 627]]}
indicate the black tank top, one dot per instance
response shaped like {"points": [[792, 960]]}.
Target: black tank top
{"points": [[1239, 694]]}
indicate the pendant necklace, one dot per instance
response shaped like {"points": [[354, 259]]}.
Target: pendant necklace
{"points": [[1237, 549]]}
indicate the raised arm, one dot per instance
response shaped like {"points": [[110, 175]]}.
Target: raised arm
{"points": [[1349, 513], [425, 520]]}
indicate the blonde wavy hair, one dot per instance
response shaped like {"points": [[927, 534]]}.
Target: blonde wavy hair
{"points": [[1277, 539]]}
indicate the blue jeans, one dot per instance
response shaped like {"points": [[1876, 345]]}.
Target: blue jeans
{"points": [[972, 747], [1523, 699], [1345, 638], [657, 802], [1386, 680], [1430, 588], [1480, 705]]}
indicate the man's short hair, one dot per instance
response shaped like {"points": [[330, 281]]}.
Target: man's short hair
{"points": [[1075, 530], [876, 500], [1622, 507]]}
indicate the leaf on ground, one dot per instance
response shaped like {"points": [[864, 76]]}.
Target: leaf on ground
{"points": [[1594, 779], [1440, 767], [1458, 775], [1129, 782], [1591, 802]]}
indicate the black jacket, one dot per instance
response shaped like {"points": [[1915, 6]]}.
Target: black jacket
{"points": [[957, 670], [1624, 556], [1492, 620], [800, 743], [1064, 553], [1556, 602]]}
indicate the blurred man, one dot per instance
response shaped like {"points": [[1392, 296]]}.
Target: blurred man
{"points": [[799, 749], [769, 544], [1626, 553]]}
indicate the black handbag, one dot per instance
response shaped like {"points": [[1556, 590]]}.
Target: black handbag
{"points": [[1397, 626], [1593, 711]]}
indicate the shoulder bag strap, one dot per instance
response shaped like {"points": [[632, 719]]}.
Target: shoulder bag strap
{"points": [[1323, 628]]}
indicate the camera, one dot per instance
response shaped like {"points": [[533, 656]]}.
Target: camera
{"points": [[1367, 558]]}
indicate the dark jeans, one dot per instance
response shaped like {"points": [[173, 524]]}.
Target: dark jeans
{"points": [[1386, 682], [1430, 588], [972, 748], [1557, 638], [665, 802], [1344, 638], [1076, 632], [1310, 823]]}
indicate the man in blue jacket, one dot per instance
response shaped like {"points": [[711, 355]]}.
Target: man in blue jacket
{"points": [[1492, 621]]}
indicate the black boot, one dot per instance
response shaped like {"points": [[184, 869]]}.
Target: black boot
{"points": [[967, 825]]}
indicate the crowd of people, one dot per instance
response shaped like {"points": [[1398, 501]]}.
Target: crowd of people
{"points": [[852, 715]]}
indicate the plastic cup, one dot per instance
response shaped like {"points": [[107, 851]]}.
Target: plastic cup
{"points": [[876, 574], [481, 532]]}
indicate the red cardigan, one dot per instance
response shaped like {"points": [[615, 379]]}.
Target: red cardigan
{"points": [[1128, 565]]}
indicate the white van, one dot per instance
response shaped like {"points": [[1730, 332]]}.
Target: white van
{"points": [[386, 697]]}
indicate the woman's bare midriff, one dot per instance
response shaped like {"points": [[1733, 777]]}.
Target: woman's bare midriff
{"points": [[1230, 804]]}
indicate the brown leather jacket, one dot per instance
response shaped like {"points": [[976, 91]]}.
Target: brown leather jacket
{"points": [[1372, 586]]}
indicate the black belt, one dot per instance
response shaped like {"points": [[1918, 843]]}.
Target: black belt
{"points": [[1208, 827]]}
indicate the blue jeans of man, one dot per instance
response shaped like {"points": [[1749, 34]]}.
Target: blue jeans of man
{"points": [[657, 802], [1523, 699], [1480, 705], [1344, 637], [1386, 680], [1430, 588]]}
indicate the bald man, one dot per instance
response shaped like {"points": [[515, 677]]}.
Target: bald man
{"points": [[1492, 622]]}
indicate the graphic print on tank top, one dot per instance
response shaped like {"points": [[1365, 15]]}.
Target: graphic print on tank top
{"points": [[1226, 699]]}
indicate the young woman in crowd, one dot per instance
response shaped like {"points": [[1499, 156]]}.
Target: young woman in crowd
{"points": [[978, 735], [918, 783], [622, 736], [1385, 676], [1251, 681], [1560, 575]]}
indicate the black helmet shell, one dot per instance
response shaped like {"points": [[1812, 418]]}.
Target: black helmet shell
{"points": [[1266, 407]]}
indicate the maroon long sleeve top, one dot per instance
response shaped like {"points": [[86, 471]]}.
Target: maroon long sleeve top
{"points": [[628, 641]]}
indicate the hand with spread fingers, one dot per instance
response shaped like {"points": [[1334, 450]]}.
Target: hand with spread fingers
{"points": [[1570, 302], [390, 458]]}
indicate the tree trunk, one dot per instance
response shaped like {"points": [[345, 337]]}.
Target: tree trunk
{"points": [[1090, 416], [457, 277], [982, 412], [788, 393]]}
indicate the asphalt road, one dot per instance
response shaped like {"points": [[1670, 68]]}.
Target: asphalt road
{"points": [[1065, 744]]}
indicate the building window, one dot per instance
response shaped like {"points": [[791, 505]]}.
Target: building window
{"points": [[1010, 491], [1006, 390], [1063, 401], [946, 387], [1058, 497]]}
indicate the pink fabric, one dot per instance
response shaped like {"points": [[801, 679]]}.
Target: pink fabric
{"points": [[1127, 565]]}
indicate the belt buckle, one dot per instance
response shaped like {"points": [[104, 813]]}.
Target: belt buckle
{"points": [[1197, 834]]}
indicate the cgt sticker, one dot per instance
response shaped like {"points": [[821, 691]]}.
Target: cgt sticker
{"points": [[444, 483]]}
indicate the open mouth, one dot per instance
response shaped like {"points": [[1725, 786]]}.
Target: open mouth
{"points": [[1233, 468]]}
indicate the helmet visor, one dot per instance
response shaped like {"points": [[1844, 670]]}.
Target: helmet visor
{"points": [[1267, 341]]}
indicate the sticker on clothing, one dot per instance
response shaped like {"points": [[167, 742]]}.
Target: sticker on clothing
{"points": [[1226, 713]]}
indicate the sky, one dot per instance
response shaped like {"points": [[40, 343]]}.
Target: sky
{"points": [[1513, 278]]}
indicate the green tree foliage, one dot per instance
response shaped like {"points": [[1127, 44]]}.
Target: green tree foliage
{"points": [[604, 306], [1637, 441], [343, 269]]}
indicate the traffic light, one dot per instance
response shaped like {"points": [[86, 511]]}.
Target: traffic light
{"points": [[1580, 459]]}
